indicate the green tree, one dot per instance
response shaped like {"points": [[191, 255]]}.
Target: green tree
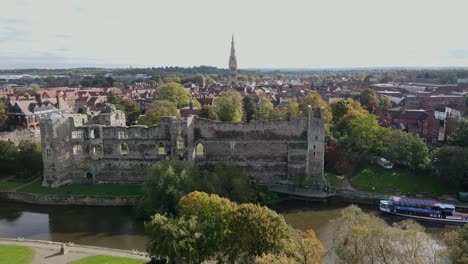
{"points": [[265, 108], [29, 159], [3, 114], [465, 99], [339, 109], [118, 84], [213, 214], [208, 112], [457, 245], [229, 106], [157, 110], [367, 97], [166, 183], [113, 98], [8, 155], [451, 163], [404, 148], [173, 238], [249, 108], [460, 136], [255, 230], [174, 92], [172, 78]]}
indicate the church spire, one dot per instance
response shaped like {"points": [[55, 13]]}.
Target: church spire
{"points": [[232, 64]]}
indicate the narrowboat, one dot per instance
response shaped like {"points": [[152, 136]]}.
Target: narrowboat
{"points": [[423, 209]]}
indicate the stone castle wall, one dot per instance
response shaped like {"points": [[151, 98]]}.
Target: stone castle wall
{"points": [[271, 152]]}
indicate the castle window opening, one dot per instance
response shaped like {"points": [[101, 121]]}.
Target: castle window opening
{"points": [[200, 150], [97, 150], [49, 153], [161, 149], [123, 149], [89, 175], [77, 134], [180, 144], [121, 135], [94, 133], [77, 149]]}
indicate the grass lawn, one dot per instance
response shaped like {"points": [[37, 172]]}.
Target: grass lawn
{"points": [[78, 189], [99, 259], [333, 180], [402, 180], [6, 185], [15, 254]]}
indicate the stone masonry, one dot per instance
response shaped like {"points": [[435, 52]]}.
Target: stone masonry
{"points": [[99, 148]]}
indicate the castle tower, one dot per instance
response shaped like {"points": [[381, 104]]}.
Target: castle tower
{"points": [[233, 65]]}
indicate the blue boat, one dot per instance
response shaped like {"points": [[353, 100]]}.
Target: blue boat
{"points": [[423, 209]]}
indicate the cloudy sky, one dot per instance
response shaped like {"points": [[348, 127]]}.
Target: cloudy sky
{"points": [[268, 33]]}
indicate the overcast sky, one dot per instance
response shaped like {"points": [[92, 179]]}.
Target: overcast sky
{"points": [[268, 34]]}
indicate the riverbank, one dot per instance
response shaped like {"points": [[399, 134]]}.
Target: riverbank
{"points": [[65, 199], [47, 252]]}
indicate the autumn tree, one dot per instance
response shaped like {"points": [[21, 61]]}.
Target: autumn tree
{"points": [[457, 245], [229, 106], [364, 238], [208, 112], [157, 110], [265, 108], [315, 100]]}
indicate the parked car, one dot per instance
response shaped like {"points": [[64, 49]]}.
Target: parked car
{"points": [[384, 163]]}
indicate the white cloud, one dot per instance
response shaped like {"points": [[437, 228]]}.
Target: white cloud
{"points": [[274, 33]]}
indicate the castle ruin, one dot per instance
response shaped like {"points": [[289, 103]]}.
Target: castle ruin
{"points": [[99, 148]]}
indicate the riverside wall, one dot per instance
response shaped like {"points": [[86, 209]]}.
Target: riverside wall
{"points": [[64, 199]]}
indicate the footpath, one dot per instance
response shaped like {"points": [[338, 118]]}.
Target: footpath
{"points": [[47, 252]]}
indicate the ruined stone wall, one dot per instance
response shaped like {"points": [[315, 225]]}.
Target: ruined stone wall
{"points": [[272, 152]]}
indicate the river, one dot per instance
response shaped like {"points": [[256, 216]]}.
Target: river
{"points": [[119, 227]]}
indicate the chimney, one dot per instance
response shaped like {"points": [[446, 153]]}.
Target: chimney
{"points": [[58, 101], [38, 97]]}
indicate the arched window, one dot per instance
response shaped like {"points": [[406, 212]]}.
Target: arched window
{"points": [[123, 149], [200, 150], [161, 149]]}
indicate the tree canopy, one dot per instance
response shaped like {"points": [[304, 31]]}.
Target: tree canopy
{"points": [[3, 114], [460, 136], [229, 106], [157, 110], [175, 93]]}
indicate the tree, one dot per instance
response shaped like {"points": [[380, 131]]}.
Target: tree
{"points": [[8, 155], [172, 78], [118, 84], [451, 163], [212, 213], [113, 98], [249, 108], [339, 109], [229, 106], [131, 109], [254, 231], [166, 183], [174, 238], [457, 245], [176, 93], [265, 107], [404, 148], [3, 114], [364, 238], [368, 98], [465, 99], [157, 110], [460, 136], [208, 112], [314, 100]]}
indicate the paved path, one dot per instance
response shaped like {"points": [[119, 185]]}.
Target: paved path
{"points": [[26, 184], [47, 252]]}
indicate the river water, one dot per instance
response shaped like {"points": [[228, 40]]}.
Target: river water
{"points": [[120, 227]]}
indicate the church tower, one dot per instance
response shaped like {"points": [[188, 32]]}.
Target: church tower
{"points": [[233, 65]]}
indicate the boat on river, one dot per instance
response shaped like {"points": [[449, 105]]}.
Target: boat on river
{"points": [[423, 209]]}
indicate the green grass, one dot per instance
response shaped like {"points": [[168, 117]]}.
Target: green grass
{"points": [[15, 254], [78, 189], [7, 185], [333, 180], [100, 259], [380, 180]]}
